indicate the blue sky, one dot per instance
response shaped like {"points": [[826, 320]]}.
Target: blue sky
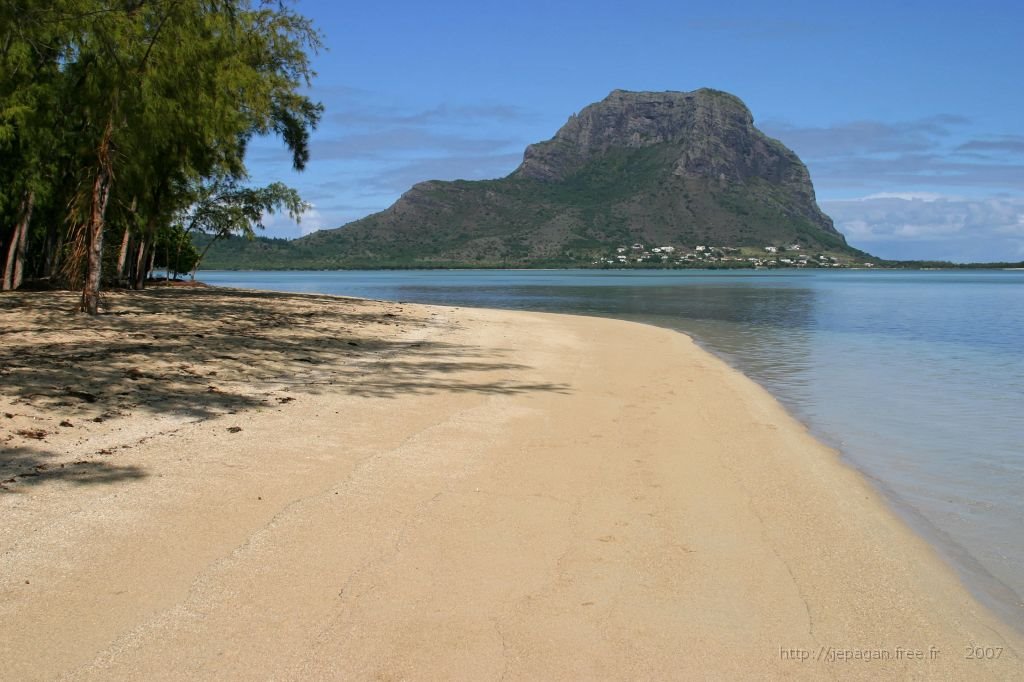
{"points": [[909, 115]]}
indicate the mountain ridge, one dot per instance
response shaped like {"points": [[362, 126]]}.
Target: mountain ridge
{"points": [[679, 168]]}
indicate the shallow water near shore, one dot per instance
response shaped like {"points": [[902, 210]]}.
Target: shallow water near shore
{"points": [[917, 377]]}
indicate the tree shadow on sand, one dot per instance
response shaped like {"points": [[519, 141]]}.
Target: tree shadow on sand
{"points": [[194, 354], [30, 466]]}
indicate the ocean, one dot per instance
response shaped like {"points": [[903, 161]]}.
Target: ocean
{"points": [[917, 378]]}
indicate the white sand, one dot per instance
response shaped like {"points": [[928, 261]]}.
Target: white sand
{"points": [[466, 494]]}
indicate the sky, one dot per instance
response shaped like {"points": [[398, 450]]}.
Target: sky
{"points": [[909, 115]]}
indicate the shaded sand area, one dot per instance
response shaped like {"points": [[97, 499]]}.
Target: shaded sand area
{"points": [[216, 484]]}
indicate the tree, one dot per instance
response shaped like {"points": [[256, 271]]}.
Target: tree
{"points": [[154, 99], [175, 251], [224, 208], [30, 130]]}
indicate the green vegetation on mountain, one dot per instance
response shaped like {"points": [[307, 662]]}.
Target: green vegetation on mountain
{"points": [[667, 168]]}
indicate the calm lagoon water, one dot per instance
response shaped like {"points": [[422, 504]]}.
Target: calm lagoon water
{"points": [[917, 377]]}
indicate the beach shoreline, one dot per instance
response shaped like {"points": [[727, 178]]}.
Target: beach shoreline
{"points": [[994, 594], [299, 485]]}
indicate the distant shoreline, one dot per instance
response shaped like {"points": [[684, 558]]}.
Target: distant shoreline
{"points": [[907, 267]]}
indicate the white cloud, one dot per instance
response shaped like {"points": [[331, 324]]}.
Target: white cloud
{"points": [[312, 221], [907, 196], [281, 224], [927, 155], [1014, 229], [857, 138], [911, 225]]}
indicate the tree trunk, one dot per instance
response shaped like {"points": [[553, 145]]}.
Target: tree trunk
{"points": [[19, 259], [177, 255], [51, 251], [97, 219], [195, 268], [14, 265], [94, 235], [147, 254], [122, 257], [8, 272], [139, 279]]}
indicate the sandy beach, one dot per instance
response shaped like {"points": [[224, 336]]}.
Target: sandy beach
{"points": [[217, 484]]}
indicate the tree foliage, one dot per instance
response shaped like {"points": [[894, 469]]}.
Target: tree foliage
{"points": [[121, 119], [224, 208]]}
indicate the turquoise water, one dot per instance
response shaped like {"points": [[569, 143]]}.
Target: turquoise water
{"points": [[917, 377]]}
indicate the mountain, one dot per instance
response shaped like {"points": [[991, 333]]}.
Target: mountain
{"points": [[659, 168]]}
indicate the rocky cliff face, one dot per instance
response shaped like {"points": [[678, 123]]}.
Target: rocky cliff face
{"points": [[711, 132], [677, 168], [714, 132]]}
